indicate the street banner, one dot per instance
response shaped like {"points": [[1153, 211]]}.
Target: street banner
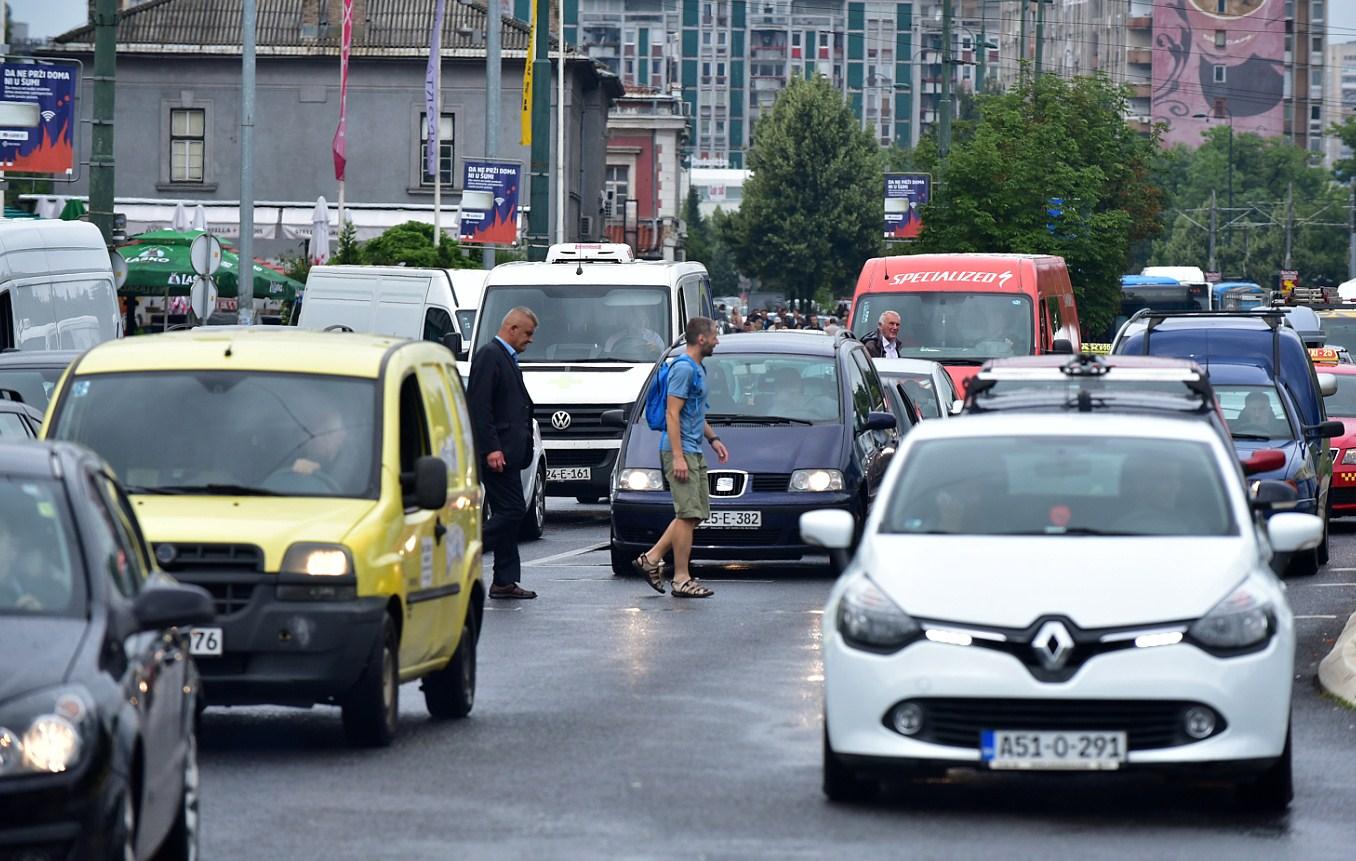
{"points": [[46, 91], [525, 118], [341, 133], [905, 195], [433, 113], [489, 201]]}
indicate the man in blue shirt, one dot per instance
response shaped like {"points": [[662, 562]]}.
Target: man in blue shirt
{"points": [[685, 430]]}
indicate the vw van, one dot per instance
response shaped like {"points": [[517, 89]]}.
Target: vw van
{"points": [[389, 300], [56, 286], [322, 487]]}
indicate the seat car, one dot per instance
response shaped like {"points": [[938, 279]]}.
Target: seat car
{"points": [[98, 756], [323, 488], [1342, 449], [927, 384], [1087, 591], [17, 419], [806, 422], [34, 373]]}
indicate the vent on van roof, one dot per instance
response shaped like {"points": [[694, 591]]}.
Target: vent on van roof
{"points": [[590, 252]]}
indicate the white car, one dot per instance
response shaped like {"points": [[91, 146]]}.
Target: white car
{"points": [[1088, 591], [926, 383]]}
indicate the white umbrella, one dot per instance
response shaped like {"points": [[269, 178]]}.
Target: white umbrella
{"points": [[180, 220], [1346, 291], [199, 217], [318, 249]]}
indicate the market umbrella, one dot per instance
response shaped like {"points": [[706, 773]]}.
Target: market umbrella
{"points": [[73, 210], [180, 219], [318, 250], [163, 268], [200, 217], [1347, 290]]}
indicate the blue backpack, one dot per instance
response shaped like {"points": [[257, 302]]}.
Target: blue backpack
{"points": [[657, 398]]}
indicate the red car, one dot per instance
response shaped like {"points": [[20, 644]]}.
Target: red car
{"points": [[1342, 407]]}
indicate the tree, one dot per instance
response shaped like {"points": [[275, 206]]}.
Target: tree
{"points": [[720, 259], [349, 251], [811, 210], [411, 244], [696, 243], [1345, 169], [1047, 138]]}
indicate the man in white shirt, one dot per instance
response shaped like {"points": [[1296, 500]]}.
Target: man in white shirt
{"points": [[884, 342]]}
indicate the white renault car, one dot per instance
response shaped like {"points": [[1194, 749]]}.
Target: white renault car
{"points": [[1085, 591]]}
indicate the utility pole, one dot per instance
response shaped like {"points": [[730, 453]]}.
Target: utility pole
{"points": [[539, 220], [1214, 222], [101, 144], [1289, 223], [944, 103], [1351, 221], [244, 291], [983, 48], [1021, 40], [493, 95], [1040, 34]]}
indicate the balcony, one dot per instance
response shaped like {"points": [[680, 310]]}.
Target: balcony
{"points": [[1141, 91], [1139, 56], [1140, 22]]}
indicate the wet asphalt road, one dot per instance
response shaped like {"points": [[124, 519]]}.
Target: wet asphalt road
{"points": [[614, 722]]}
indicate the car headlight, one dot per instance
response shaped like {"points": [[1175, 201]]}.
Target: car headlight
{"points": [[1349, 457], [44, 733], [1242, 620], [318, 560], [640, 479], [816, 480], [868, 619]]}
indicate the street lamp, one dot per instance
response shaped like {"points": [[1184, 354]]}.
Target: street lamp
{"points": [[1229, 231]]}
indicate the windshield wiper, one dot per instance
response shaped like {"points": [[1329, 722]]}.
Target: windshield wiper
{"points": [[1252, 436], [207, 490], [731, 418], [136, 489], [1075, 530]]}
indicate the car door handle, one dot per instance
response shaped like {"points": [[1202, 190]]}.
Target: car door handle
{"points": [[438, 530]]}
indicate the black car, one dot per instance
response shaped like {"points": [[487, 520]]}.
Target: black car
{"points": [[33, 374], [808, 426], [98, 755]]}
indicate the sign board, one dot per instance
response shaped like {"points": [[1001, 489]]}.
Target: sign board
{"points": [[905, 195], [1213, 277], [119, 269], [37, 117], [205, 255], [203, 297], [1289, 281], [715, 192], [489, 214]]}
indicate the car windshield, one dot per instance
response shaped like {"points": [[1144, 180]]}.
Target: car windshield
{"points": [[952, 325], [1254, 412], [1340, 329], [921, 390], [1343, 402], [34, 385], [38, 572], [586, 323], [1053, 485], [772, 387], [228, 432]]}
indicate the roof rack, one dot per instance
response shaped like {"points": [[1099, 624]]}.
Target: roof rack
{"points": [[1274, 318], [1197, 388], [844, 334]]}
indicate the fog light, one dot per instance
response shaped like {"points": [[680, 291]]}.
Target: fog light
{"points": [[908, 718], [1199, 722]]}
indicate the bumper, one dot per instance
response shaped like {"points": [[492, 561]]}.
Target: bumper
{"points": [[639, 518], [597, 461], [1342, 498], [1250, 692], [58, 816], [289, 652]]}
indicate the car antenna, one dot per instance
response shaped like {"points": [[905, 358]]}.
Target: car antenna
{"points": [[579, 267]]}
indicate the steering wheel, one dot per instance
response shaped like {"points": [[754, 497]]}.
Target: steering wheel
{"points": [[287, 479], [629, 339]]}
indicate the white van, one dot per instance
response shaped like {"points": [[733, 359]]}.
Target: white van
{"points": [[56, 286], [603, 325], [406, 302], [469, 286]]}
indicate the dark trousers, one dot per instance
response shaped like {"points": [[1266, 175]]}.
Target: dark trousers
{"points": [[504, 492]]}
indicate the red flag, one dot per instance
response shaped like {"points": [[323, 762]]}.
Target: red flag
{"points": [[341, 133]]}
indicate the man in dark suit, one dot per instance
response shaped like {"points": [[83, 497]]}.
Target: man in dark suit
{"points": [[501, 419]]}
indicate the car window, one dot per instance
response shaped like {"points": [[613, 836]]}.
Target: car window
{"points": [[1254, 412], [130, 546], [872, 380], [1052, 485], [414, 434], [437, 323], [34, 385], [466, 321], [110, 556], [772, 385], [39, 568], [12, 426], [860, 394], [920, 388]]}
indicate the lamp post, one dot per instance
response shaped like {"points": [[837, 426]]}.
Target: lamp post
{"points": [[1229, 232]]}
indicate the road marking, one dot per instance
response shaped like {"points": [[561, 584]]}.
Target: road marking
{"points": [[1325, 585], [566, 555], [1343, 570], [1316, 617]]}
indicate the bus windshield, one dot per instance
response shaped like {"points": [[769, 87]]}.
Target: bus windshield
{"points": [[953, 326]]}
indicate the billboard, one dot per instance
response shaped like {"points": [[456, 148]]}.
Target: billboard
{"points": [[489, 201], [46, 90], [1228, 63], [905, 194]]}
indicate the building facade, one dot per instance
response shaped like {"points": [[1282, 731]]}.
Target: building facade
{"points": [[1339, 96], [645, 181]]}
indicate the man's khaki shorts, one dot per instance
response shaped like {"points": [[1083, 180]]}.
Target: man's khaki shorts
{"points": [[691, 498]]}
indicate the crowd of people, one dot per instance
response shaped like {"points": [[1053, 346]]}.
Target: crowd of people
{"points": [[782, 317]]}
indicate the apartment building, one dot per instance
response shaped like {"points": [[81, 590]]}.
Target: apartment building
{"points": [[1339, 95]]}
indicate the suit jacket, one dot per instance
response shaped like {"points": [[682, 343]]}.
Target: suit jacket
{"points": [[500, 407]]}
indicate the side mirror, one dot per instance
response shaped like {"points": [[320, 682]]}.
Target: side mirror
{"points": [[426, 487], [1291, 532], [1330, 429], [879, 422], [828, 528], [1061, 345], [172, 606], [1271, 495], [452, 341], [613, 418], [1264, 460], [1327, 384], [957, 407]]}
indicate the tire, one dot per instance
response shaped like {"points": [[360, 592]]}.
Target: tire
{"points": [[621, 562], [843, 784], [1322, 552], [371, 708], [450, 693], [1274, 789], [122, 831], [1303, 564], [588, 499], [534, 524], [181, 844]]}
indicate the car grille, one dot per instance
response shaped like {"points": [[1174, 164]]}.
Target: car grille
{"points": [[229, 595], [1342, 496], [1148, 724], [586, 421], [563, 457], [209, 557], [736, 537], [771, 482], [736, 481]]}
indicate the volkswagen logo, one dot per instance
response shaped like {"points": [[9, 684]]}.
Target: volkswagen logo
{"points": [[560, 420], [1053, 645]]}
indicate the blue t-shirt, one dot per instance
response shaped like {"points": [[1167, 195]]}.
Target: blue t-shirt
{"points": [[687, 380]]}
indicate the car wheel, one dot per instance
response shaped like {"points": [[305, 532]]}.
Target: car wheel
{"points": [[1274, 789], [588, 499], [181, 844], [451, 691], [621, 562], [842, 783], [1303, 564], [1322, 552], [535, 522], [371, 708], [122, 833]]}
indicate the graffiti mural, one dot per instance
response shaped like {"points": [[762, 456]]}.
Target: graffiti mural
{"points": [[1219, 58]]}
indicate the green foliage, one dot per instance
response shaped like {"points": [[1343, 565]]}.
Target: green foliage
{"points": [[811, 211], [297, 267], [1047, 137], [411, 244], [708, 243], [508, 255], [1345, 169], [349, 252]]}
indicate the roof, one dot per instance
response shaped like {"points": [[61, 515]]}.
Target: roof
{"points": [[1149, 280], [1058, 360], [1045, 423], [794, 341], [259, 348], [641, 273], [26, 458], [37, 358], [905, 366], [1239, 374]]}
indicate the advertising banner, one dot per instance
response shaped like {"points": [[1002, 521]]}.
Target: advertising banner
{"points": [[489, 201], [1219, 61], [48, 144], [905, 194]]}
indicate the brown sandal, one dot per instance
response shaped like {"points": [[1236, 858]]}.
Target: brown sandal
{"points": [[652, 571], [690, 588]]}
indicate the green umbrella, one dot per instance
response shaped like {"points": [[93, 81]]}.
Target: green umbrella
{"points": [[73, 210], [159, 268]]}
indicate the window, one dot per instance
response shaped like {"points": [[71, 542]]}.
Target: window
{"points": [[13, 427], [413, 425], [1220, 72], [1318, 45], [1315, 112], [1221, 38], [6, 320], [446, 149], [437, 324], [188, 144], [617, 185], [1316, 11], [128, 536]]}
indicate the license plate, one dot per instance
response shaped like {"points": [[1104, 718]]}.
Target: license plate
{"points": [[205, 641], [569, 473], [732, 520], [1080, 751]]}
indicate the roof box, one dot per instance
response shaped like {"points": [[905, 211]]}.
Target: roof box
{"points": [[590, 252]]}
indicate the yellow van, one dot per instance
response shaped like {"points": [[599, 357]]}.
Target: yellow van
{"points": [[322, 487]]}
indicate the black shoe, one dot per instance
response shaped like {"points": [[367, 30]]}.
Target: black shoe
{"points": [[515, 592]]}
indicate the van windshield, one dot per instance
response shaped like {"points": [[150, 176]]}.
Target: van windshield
{"points": [[227, 433], [952, 326], [584, 323]]}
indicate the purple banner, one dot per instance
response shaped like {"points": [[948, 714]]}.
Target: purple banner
{"points": [[432, 110]]}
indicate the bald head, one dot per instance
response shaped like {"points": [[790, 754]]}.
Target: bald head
{"points": [[518, 327]]}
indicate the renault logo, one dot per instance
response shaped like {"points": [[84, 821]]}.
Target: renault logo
{"points": [[560, 420], [1052, 645]]}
